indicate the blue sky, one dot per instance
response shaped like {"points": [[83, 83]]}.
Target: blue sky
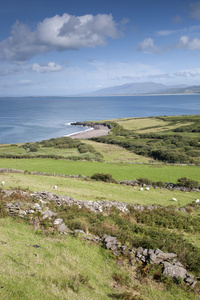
{"points": [[68, 47]]}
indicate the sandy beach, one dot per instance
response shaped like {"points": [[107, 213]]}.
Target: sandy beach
{"points": [[98, 130]]}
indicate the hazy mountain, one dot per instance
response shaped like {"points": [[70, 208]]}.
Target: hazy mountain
{"points": [[194, 89], [136, 88]]}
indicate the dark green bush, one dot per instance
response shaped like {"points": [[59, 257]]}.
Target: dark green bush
{"points": [[33, 148], [186, 182], [144, 181], [103, 177], [160, 184]]}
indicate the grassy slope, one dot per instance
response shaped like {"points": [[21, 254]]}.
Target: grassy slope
{"points": [[66, 268], [92, 190], [52, 270]]}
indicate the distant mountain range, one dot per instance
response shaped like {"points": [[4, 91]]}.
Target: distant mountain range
{"points": [[146, 88]]}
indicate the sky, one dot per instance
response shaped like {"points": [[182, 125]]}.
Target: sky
{"points": [[73, 47]]}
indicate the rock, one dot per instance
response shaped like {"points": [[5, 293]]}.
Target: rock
{"points": [[62, 227], [37, 207], [157, 251], [57, 221], [193, 284], [174, 271], [22, 213], [30, 211], [166, 256], [110, 242], [79, 231], [48, 214], [145, 252]]}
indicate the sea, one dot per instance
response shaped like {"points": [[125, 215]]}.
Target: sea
{"points": [[31, 119]]}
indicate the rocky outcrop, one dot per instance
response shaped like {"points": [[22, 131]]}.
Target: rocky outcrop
{"points": [[171, 267]]}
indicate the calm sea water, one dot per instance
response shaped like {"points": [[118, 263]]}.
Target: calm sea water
{"points": [[37, 118]]}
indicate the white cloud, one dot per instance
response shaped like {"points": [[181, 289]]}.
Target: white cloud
{"points": [[147, 46], [58, 33], [46, 68], [185, 42], [188, 73]]}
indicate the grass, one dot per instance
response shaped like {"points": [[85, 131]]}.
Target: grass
{"points": [[114, 153], [15, 150], [94, 191], [60, 268], [48, 267], [166, 173], [140, 123]]}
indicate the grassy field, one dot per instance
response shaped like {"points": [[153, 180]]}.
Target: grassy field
{"points": [[113, 153], [94, 191], [14, 149], [166, 173]]}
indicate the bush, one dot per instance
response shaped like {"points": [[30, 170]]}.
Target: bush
{"points": [[160, 184], [103, 177], [145, 181], [189, 183], [33, 148]]}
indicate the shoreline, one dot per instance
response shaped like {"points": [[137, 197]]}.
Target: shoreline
{"points": [[96, 131]]}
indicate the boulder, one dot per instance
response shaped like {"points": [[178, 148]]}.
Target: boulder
{"points": [[174, 271]]}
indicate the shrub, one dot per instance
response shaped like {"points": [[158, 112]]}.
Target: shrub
{"points": [[103, 177], [160, 184], [186, 182], [33, 148], [145, 181]]}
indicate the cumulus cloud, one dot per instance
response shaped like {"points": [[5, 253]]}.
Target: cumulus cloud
{"points": [[46, 68], [58, 33], [147, 46], [185, 42]]}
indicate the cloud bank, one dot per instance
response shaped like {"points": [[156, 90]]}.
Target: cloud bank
{"points": [[58, 33]]}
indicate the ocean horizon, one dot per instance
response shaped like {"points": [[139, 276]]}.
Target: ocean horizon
{"points": [[31, 119]]}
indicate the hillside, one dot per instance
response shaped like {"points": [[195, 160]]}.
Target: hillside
{"points": [[106, 218], [138, 88]]}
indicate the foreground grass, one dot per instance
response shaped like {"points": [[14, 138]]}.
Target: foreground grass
{"points": [[165, 173], [40, 266], [60, 268], [93, 191]]}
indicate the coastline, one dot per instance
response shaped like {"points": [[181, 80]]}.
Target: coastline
{"points": [[96, 131]]}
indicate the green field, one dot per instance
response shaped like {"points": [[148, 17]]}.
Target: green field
{"points": [[93, 191], [166, 173]]}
